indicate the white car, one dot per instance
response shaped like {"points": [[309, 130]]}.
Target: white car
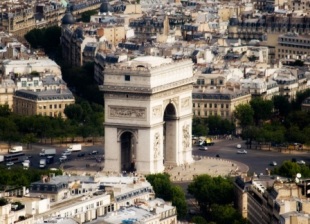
{"points": [[203, 148], [239, 146], [66, 153], [273, 163], [10, 164], [301, 162], [62, 158], [242, 152]]}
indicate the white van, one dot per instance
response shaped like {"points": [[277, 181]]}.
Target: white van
{"points": [[15, 149]]}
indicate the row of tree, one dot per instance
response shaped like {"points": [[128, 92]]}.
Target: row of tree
{"points": [[84, 120], [18, 177], [276, 120]]}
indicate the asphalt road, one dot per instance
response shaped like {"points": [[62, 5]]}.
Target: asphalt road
{"points": [[257, 160], [35, 149]]}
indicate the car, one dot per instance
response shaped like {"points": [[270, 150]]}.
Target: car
{"points": [[63, 158], [301, 162], [66, 153], [242, 152], [94, 152], [273, 163], [81, 154], [10, 164], [238, 146], [203, 148]]}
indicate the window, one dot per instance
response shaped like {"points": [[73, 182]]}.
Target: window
{"points": [[36, 82], [24, 83], [51, 106], [59, 106], [127, 77], [55, 106], [210, 105], [215, 105]]}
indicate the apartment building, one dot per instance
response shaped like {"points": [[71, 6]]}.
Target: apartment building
{"points": [[275, 200], [296, 5], [292, 46], [247, 27], [147, 212], [46, 103], [219, 101], [17, 17], [12, 213], [7, 90], [96, 36], [25, 67]]}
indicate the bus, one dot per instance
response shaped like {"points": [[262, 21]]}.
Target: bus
{"points": [[15, 158]]}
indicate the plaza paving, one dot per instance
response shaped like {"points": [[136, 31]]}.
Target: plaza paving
{"points": [[202, 165]]}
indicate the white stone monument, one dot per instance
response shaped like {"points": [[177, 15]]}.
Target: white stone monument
{"points": [[148, 114]]}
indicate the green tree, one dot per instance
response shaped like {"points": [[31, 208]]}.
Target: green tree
{"points": [[199, 220], [282, 105], [199, 127], [290, 169], [222, 214], [74, 112], [164, 189], [209, 190], [244, 114], [262, 109], [5, 110]]}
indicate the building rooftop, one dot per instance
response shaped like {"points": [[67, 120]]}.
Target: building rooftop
{"points": [[51, 94]]}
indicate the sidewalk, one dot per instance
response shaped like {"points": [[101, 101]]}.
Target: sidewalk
{"points": [[206, 165]]}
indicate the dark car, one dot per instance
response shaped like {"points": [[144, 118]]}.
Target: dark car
{"points": [[95, 152], [81, 155]]}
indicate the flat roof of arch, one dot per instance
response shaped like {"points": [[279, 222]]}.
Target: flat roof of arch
{"points": [[150, 61]]}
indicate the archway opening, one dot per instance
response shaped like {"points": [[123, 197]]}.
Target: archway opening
{"points": [[169, 135], [128, 155]]}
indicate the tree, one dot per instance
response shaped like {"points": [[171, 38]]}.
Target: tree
{"points": [[74, 112], [199, 220], [244, 114], [262, 109], [282, 105], [290, 169], [164, 189], [199, 127], [209, 190], [225, 214]]}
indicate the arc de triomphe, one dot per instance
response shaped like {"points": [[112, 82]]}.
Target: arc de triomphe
{"points": [[148, 114]]}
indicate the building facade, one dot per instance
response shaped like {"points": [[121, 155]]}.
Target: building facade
{"points": [[46, 103]]}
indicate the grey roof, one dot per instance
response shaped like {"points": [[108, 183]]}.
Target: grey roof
{"points": [[45, 95], [68, 19], [52, 80], [106, 7]]}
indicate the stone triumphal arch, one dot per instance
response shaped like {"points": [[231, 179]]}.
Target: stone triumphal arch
{"points": [[148, 114]]}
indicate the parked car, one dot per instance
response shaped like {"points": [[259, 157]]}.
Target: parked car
{"points": [[203, 148], [301, 162], [81, 154], [273, 163], [242, 152]]}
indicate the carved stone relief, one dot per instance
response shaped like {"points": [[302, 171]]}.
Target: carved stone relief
{"points": [[185, 102], [186, 137], [127, 112], [157, 111], [157, 145]]}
